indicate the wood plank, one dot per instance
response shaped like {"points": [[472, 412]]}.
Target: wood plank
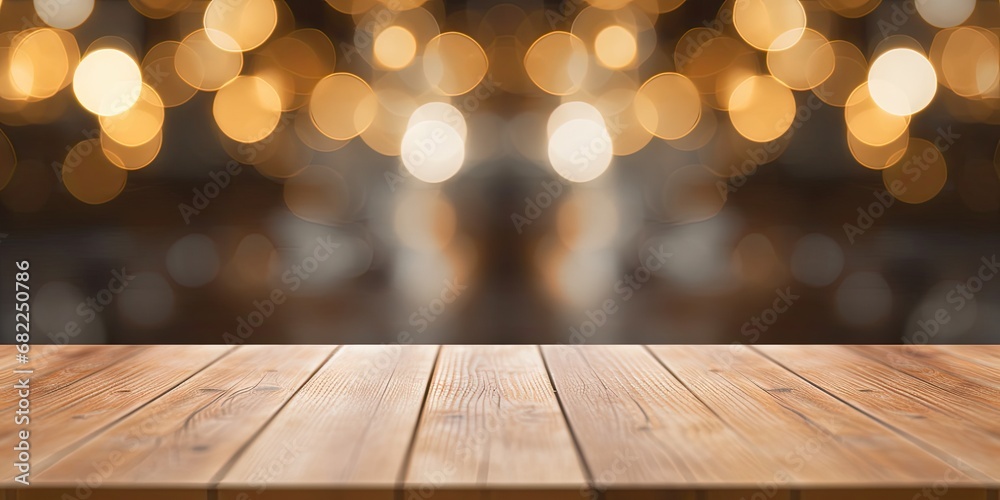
{"points": [[940, 369], [69, 366], [61, 419], [640, 428], [186, 436], [347, 430], [492, 424], [983, 355], [816, 439], [962, 432]]}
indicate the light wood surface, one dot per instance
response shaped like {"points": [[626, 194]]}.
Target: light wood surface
{"points": [[509, 422]]}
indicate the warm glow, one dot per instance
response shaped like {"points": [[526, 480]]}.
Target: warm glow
{"points": [[107, 82], [89, 176], [432, 151], [580, 148], [615, 47], [203, 65], [557, 63], [247, 109], [668, 106], [902, 81], [769, 24], [42, 62], [159, 61], [131, 157], [945, 13], [64, 14], [454, 63], [804, 65], [869, 122], [240, 25], [395, 47], [342, 106], [850, 70], [762, 109], [139, 124], [919, 175]]}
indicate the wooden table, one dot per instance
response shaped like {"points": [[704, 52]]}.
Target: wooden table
{"points": [[526, 422]]}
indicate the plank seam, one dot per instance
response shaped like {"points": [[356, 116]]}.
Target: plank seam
{"points": [[79, 443], [860, 350], [213, 482], [929, 448], [399, 494], [591, 483]]}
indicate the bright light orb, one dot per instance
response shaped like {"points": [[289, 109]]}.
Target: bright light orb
{"points": [[107, 82], [945, 13], [432, 151], [615, 47], [580, 150], [902, 82], [62, 14], [395, 47]]}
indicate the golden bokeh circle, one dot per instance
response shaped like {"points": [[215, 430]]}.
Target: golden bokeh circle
{"points": [[850, 71], [247, 109], [240, 25], [615, 47], [557, 63], [161, 74], [454, 63], [107, 82], [89, 176], [761, 108], [804, 65], [131, 157], [871, 124], [140, 123], [919, 176], [342, 106], [668, 106], [203, 65], [395, 47], [769, 24], [42, 62]]}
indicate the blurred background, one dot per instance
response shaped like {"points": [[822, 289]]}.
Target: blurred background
{"points": [[583, 171]]}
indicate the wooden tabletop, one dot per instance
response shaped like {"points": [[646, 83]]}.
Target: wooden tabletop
{"points": [[419, 422]]}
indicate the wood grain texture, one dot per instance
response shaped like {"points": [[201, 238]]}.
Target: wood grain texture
{"points": [[347, 430], [492, 422], [68, 366], [512, 423], [189, 434], [963, 432], [637, 426], [65, 417], [808, 437]]}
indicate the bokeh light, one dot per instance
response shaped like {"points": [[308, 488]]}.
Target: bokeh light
{"points": [[240, 25], [342, 106], [557, 63], [107, 82], [902, 81], [615, 47], [454, 63], [62, 14], [580, 148], [919, 175], [769, 24], [247, 109], [395, 47], [761, 108], [668, 106], [89, 176], [140, 123]]}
